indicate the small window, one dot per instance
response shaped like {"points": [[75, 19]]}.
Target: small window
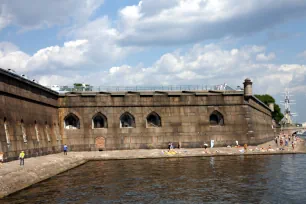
{"points": [[153, 120], [216, 118], [127, 121], [99, 121], [72, 122]]}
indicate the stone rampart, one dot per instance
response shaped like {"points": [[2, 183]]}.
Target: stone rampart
{"points": [[39, 121], [185, 119], [29, 117], [259, 122]]}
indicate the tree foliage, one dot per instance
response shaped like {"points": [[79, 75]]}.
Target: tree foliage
{"points": [[78, 84], [266, 99]]}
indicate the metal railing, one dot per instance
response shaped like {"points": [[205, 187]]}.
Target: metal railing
{"points": [[142, 88]]}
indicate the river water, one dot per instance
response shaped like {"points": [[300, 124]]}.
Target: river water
{"points": [[223, 179]]}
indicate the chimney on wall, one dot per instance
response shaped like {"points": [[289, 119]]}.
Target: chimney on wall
{"points": [[271, 106], [247, 87]]}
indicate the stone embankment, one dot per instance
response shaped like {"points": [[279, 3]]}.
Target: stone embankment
{"points": [[14, 178]]}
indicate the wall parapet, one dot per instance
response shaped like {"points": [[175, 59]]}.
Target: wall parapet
{"points": [[26, 81]]}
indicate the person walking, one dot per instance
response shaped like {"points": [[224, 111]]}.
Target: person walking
{"points": [[245, 147], [286, 142], [65, 149], [276, 140], [281, 142], [205, 146], [171, 146], [21, 158]]}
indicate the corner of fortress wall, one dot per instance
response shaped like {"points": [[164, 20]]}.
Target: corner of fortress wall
{"points": [[32, 119], [22, 103]]}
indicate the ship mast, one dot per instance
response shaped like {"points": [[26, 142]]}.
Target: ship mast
{"points": [[287, 120]]}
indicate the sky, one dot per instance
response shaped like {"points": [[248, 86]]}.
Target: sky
{"points": [[158, 42]]}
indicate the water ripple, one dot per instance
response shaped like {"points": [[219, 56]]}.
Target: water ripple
{"points": [[244, 179]]}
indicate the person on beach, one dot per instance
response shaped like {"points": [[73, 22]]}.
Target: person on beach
{"points": [[21, 158], [275, 140], [281, 142], [245, 147], [205, 146], [292, 145], [1, 158], [65, 149], [169, 146]]}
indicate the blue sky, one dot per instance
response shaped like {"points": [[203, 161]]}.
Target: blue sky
{"points": [[112, 42]]}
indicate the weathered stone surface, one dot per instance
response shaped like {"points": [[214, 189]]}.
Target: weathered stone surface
{"points": [[185, 117]]}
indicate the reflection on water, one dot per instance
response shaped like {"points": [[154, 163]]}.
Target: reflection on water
{"points": [[228, 179]]}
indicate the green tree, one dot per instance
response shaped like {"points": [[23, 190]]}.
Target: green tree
{"points": [[266, 99]]}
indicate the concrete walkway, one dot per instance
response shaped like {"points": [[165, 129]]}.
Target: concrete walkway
{"points": [[14, 177]]}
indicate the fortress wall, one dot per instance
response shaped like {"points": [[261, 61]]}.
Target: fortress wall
{"points": [[185, 119], [21, 100], [260, 122]]}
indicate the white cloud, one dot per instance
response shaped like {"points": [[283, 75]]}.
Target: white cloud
{"points": [[115, 71], [302, 55], [203, 65], [183, 21], [11, 57], [209, 65], [71, 56], [175, 22], [264, 57], [5, 17], [103, 40], [33, 14]]}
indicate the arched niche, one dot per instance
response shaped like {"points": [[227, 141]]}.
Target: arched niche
{"points": [[127, 120], [216, 118], [99, 121], [71, 121], [153, 120]]}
